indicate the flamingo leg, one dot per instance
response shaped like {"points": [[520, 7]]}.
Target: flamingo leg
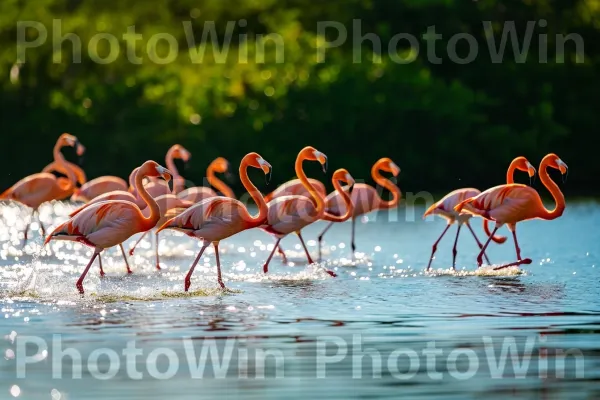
{"points": [[320, 239], [352, 241], [477, 240], [282, 252], [79, 283], [136, 243], [310, 261], [434, 247], [26, 236], [266, 266], [513, 229], [188, 277], [157, 259], [516, 263], [100, 264], [480, 255], [125, 258], [219, 276], [454, 251]]}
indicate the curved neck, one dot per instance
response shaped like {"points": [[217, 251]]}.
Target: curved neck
{"points": [[316, 196], [557, 195], [256, 195], [177, 179], [389, 185], [217, 183], [343, 191], [152, 218], [60, 160], [510, 173]]}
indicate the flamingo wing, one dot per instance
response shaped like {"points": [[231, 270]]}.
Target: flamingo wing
{"points": [[296, 188], [212, 219], [102, 225], [34, 189], [288, 214], [509, 203]]}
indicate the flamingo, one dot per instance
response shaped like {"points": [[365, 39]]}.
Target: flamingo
{"points": [[512, 203], [198, 193], [168, 204], [445, 209], [218, 218], [55, 168], [291, 213], [39, 188], [159, 187], [365, 198], [109, 223]]}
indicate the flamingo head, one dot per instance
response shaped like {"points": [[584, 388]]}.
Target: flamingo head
{"points": [[555, 162], [312, 154], [386, 164], [153, 169], [67, 139], [178, 151], [220, 165], [343, 175], [255, 160], [522, 164]]}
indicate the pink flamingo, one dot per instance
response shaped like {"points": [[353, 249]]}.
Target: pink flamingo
{"points": [[55, 168], [365, 198], [198, 193], [39, 188], [445, 209], [292, 213], [512, 203], [159, 187], [168, 204], [218, 218], [107, 224]]}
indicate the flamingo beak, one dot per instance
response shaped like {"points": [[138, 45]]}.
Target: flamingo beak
{"points": [[531, 170], [79, 148], [350, 180], [562, 166], [395, 169], [267, 169], [164, 173], [322, 158]]}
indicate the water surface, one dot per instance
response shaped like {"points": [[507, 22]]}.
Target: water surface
{"points": [[310, 329]]}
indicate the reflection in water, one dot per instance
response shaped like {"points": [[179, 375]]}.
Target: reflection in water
{"points": [[378, 320]]}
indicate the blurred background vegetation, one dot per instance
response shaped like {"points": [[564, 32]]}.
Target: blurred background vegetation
{"points": [[446, 125]]}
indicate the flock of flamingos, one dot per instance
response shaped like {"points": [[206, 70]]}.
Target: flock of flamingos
{"points": [[115, 210]]}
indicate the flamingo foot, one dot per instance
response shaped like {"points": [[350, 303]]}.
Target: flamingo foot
{"points": [[514, 264], [479, 260], [158, 268], [187, 284], [102, 274], [221, 284], [333, 274], [266, 268], [131, 251], [129, 271], [79, 286]]}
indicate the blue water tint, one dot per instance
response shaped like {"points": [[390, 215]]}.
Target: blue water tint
{"points": [[382, 305]]}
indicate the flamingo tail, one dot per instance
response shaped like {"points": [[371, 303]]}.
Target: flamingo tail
{"points": [[62, 229], [6, 194]]}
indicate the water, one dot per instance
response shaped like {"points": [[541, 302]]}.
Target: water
{"points": [[432, 335]]}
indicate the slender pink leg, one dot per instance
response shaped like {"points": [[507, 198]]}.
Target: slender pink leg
{"points": [[188, 277], [516, 263], [26, 236], [79, 283], [282, 252], [454, 251], [125, 258], [480, 255], [157, 259], [310, 261], [100, 263], [352, 241], [266, 266], [435, 244], [219, 277], [320, 239], [513, 229], [138, 242], [478, 242]]}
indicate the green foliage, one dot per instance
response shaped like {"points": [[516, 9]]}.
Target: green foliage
{"points": [[447, 125]]}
